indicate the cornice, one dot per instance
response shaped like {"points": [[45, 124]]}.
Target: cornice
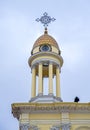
{"points": [[58, 122], [46, 61], [40, 54], [19, 108]]}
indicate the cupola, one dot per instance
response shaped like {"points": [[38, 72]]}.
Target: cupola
{"points": [[45, 62]]}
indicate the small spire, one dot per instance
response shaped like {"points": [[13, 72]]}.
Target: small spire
{"points": [[46, 31]]}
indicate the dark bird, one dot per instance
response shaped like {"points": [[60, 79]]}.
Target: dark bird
{"points": [[76, 99]]}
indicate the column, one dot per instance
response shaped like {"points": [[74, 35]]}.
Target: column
{"points": [[50, 78], [33, 91], [40, 80], [57, 82]]}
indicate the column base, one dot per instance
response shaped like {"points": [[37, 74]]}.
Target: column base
{"points": [[40, 94], [46, 99], [50, 94]]}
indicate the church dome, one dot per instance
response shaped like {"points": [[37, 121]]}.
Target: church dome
{"points": [[45, 39]]}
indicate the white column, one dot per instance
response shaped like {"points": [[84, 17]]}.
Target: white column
{"points": [[40, 80], [33, 91], [57, 82], [50, 78]]}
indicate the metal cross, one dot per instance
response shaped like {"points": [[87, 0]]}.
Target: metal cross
{"points": [[45, 19]]}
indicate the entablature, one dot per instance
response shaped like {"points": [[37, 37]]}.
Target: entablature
{"points": [[19, 108]]}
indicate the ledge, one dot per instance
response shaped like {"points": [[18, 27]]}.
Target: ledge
{"points": [[46, 99], [57, 107]]}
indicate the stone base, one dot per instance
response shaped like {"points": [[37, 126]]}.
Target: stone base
{"points": [[46, 99]]}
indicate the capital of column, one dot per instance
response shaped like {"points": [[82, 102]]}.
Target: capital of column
{"points": [[62, 126], [58, 66], [32, 67], [66, 126], [55, 128], [24, 126], [36, 63]]}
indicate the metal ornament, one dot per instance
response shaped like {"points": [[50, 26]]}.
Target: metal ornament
{"points": [[45, 19]]}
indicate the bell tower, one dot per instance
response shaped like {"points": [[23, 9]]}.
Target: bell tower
{"points": [[45, 62]]}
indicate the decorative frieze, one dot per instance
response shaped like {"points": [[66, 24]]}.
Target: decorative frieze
{"points": [[60, 107]]}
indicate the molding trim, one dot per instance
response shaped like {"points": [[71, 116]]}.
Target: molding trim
{"points": [[80, 121], [45, 122], [46, 99], [42, 61], [55, 107], [59, 57], [83, 127]]}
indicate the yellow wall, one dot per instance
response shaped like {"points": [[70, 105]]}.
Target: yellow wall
{"points": [[79, 121], [54, 49], [36, 50], [79, 116], [45, 116]]}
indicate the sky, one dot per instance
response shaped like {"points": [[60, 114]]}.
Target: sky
{"points": [[18, 32]]}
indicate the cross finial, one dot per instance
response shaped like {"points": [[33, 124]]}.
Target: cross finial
{"points": [[45, 19]]}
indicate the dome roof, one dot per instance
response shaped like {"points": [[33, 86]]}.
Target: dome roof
{"points": [[46, 39]]}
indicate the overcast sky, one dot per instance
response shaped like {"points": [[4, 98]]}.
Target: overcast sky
{"points": [[18, 32]]}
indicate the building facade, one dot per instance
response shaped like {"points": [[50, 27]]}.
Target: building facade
{"points": [[48, 111]]}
